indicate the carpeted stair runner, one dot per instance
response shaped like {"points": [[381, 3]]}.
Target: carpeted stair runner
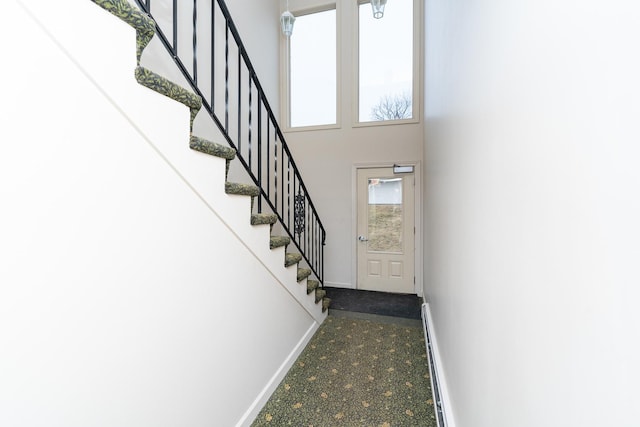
{"points": [[321, 294], [159, 84], [303, 273], [145, 30], [312, 285], [277, 241], [263, 218], [291, 259], [214, 149]]}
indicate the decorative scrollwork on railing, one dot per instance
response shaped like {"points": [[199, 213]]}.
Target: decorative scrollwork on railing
{"points": [[299, 211]]}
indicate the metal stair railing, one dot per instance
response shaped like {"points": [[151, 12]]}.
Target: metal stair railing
{"points": [[226, 73]]}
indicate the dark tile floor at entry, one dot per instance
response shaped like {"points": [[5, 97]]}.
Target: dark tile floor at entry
{"points": [[379, 303]]}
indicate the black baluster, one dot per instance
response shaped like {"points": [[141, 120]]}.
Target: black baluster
{"points": [[289, 192], [239, 101], [213, 55], [249, 130], [275, 171], [226, 80], [268, 160], [175, 27], [260, 152], [195, 41]]}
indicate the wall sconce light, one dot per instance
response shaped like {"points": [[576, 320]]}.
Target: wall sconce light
{"points": [[286, 21], [378, 8]]}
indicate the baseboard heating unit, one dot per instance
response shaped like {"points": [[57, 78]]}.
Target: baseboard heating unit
{"points": [[432, 358]]}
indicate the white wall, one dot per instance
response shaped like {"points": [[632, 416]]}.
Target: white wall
{"points": [[125, 297], [258, 23], [532, 207], [327, 157]]}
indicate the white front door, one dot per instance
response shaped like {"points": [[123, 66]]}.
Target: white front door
{"points": [[386, 227]]}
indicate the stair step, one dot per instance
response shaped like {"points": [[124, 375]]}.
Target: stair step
{"points": [[212, 148], [169, 89], [145, 26], [277, 241], [290, 259], [326, 302], [312, 285], [241, 189], [263, 218], [303, 273], [320, 293]]}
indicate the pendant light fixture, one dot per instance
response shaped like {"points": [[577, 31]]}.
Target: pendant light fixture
{"points": [[378, 8], [286, 21]]}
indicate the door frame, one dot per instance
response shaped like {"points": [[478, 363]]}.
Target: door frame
{"points": [[418, 264]]}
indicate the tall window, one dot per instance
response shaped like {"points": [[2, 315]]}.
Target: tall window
{"points": [[312, 83], [386, 62]]}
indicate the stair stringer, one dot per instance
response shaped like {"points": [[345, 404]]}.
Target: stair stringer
{"points": [[170, 138]]}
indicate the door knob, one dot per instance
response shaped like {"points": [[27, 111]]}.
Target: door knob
{"points": [[363, 239]]}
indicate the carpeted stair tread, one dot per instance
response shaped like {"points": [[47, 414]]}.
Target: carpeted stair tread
{"points": [[263, 218], [320, 293], [169, 89], [303, 273], [145, 26], [212, 148], [166, 87], [241, 189], [326, 302], [291, 259], [278, 241], [312, 285]]}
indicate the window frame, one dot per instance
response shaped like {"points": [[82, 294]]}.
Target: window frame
{"points": [[286, 67], [416, 67]]}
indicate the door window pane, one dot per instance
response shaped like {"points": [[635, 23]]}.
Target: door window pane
{"points": [[385, 215], [313, 70], [386, 62]]}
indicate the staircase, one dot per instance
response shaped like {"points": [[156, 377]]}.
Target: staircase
{"points": [[145, 28]]}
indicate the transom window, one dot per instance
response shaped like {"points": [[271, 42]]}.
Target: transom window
{"points": [[312, 80], [385, 66]]}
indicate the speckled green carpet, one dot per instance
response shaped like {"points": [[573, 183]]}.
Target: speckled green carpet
{"points": [[356, 372]]}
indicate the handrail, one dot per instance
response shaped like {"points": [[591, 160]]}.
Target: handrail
{"points": [[267, 158]]}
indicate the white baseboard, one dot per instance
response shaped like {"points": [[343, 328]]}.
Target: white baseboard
{"points": [[253, 410], [438, 380], [339, 285]]}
